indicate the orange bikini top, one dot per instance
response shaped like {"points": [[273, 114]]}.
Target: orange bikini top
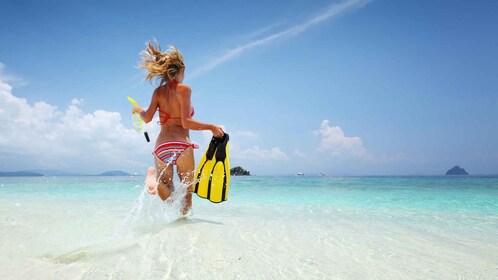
{"points": [[163, 116]]}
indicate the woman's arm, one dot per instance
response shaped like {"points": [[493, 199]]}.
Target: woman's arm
{"points": [[149, 114], [184, 94]]}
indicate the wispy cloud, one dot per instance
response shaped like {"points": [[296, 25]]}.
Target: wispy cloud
{"points": [[331, 11], [265, 29]]}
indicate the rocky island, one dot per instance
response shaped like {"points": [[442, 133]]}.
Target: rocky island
{"points": [[456, 170], [239, 171]]}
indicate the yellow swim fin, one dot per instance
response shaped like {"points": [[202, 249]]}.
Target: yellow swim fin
{"points": [[213, 172]]}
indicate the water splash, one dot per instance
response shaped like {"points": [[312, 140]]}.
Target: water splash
{"points": [[148, 215], [150, 212]]}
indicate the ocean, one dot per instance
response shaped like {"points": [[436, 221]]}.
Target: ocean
{"points": [[270, 228]]}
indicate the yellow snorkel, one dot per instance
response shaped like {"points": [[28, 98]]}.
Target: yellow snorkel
{"points": [[138, 123]]}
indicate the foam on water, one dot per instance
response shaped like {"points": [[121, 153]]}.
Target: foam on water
{"points": [[151, 211]]}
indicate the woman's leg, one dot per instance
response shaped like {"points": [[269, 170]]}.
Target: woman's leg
{"points": [[151, 181], [185, 166], [165, 175], [164, 184]]}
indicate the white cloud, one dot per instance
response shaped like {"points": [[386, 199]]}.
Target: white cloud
{"points": [[10, 79], [253, 157], [257, 153], [77, 101], [245, 134], [46, 137], [239, 136], [253, 153], [331, 11], [335, 143]]}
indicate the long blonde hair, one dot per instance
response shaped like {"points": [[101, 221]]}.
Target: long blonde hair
{"points": [[163, 65]]}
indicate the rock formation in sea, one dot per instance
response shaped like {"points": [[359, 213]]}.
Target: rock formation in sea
{"points": [[456, 170]]}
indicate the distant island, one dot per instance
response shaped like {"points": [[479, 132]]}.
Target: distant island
{"points": [[114, 173], [239, 171], [21, 174], [41, 173], [456, 170], [52, 172]]}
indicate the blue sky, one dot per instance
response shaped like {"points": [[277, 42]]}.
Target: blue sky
{"points": [[345, 87]]}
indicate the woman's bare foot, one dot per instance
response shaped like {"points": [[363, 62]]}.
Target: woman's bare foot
{"points": [[150, 181]]}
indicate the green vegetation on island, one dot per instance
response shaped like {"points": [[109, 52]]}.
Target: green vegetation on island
{"points": [[239, 171]]}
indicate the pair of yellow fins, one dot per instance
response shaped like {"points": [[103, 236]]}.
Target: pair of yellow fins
{"points": [[213, 173]]}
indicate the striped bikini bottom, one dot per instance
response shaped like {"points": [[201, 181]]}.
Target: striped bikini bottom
{"points": [[170, 151]]}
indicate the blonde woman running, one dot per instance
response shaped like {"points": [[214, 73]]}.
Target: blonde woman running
{"points": [[171, 99]]}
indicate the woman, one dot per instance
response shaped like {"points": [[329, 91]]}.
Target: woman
{"points": [[172, 100]]}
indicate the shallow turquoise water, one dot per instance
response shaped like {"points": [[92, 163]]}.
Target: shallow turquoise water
{"points": [[270, 228], [473, 194]]}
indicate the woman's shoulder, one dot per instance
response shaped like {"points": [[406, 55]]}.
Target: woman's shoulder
{"points": [[183, 89]]}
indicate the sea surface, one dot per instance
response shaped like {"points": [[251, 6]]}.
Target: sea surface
{"points": [[270, 228]]}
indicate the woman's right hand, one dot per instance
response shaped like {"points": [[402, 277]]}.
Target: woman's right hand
{"points": [[217, 131], [137, 110]]}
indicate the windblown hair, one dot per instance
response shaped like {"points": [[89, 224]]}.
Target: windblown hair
{"points": [[163, 65]]}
